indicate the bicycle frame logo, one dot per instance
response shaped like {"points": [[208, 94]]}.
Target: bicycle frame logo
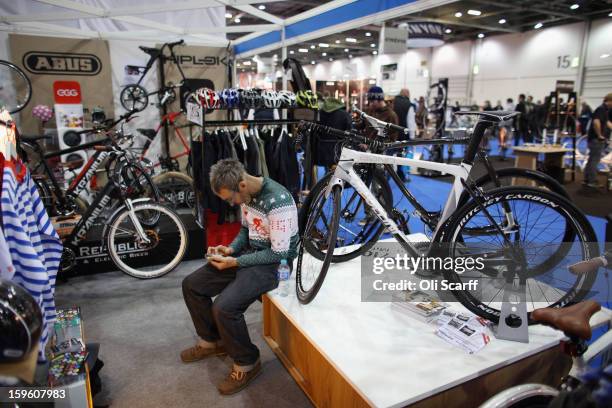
{"points": [[80, 183], [61, 63], [90, 221]]}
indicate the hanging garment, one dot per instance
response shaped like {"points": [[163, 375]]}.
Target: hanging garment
{"points": [[35, 248], [262, 157], [252, 155]]}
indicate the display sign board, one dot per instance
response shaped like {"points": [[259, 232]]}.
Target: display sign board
{"points": [[194, 113], [392, 40], [425, 34], [564, 86], [67, 92], [48, 60]]}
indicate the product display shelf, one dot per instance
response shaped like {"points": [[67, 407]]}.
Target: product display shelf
{"points": [[345, 352], [78, 392]]}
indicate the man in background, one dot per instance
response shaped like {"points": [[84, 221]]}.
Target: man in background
{"points": [[599, 134], [406, 115]]}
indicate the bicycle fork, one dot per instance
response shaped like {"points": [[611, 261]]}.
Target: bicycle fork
{"points": [[134, 218]]}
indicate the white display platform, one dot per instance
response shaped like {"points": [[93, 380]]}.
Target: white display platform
{"points": [[391, 359]]}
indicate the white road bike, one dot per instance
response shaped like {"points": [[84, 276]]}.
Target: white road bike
{"points": [[525, 234]]}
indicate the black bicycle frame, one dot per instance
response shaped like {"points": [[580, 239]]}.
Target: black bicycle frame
{"points": [[88, 220], [160, 56]]}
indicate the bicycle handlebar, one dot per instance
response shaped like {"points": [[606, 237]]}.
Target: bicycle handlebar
{"points": [[174, 44]]}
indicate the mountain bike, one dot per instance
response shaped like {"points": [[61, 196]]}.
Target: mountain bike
{"points": [[66, 201], [520, 232], [587, 384], [143, 238], [359, 230], [15, 87], [135, 96]]}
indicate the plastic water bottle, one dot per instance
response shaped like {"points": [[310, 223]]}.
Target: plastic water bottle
{"points": [[283, 278]]}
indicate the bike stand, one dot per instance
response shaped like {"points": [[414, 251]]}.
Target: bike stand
{"points": [[513, 321]]}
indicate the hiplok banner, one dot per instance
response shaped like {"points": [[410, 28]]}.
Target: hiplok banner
{"points": [[47, 60]]}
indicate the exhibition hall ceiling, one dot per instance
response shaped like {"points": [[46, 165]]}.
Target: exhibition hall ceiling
{"points": [[462, 20]]}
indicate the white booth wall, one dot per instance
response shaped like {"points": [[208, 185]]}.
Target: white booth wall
{"points": [[509, 64]]}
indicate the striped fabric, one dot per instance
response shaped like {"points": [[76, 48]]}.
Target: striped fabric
{"points": [[34, 245]]}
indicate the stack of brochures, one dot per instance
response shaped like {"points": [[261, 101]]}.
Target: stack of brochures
{"points": [[419, 305]]}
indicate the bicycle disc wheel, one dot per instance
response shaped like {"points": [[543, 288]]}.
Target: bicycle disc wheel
{"points": [[358, 228], [541, 220], [311, 271], [166, 247], [134, 98], [15, 87]]}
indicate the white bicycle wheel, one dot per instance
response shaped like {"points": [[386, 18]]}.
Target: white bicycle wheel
{"points": [[166, 249]]}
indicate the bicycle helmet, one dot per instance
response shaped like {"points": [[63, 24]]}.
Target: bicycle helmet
{"points": [[287, 99], [270, 99], [208, 98], [230, 97], [20, 322], [306, 99], [250, 99]]}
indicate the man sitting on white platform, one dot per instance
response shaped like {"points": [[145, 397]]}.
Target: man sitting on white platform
{"points": [[239, 274]]}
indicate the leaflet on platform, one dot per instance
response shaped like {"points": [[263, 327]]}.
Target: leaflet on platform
{"points": [[462, 329]]}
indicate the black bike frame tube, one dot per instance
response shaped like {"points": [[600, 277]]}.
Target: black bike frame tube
{"points": [[473, 146], [58, 190], [93, 212], [83, 146], [424, 213]]}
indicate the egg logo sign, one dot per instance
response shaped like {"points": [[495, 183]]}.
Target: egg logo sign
{"points": [[61, 63], [67, 92]]}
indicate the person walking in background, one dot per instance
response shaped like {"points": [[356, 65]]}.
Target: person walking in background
{"points": [[406, 115], [487, 106], [499, 106], [378, 108], [599, 135], [586, 113], [421, 117], [522, 121]]}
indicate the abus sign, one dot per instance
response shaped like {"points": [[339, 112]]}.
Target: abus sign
{"points": [[67, 92], [61, 63]]}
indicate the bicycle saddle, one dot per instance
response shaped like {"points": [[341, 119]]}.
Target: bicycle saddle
{"points": [[572, 320], [33, 138], [495, 116], [149, 133], [150, 51]]}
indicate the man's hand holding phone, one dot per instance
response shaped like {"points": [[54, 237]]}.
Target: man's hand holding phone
{"points": [[220, 258]]}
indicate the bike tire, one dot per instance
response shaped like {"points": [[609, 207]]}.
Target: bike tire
{"points": [[112, 239], [27, 84], [387, 200], [169, 177], [304, 295], [587, 237]]}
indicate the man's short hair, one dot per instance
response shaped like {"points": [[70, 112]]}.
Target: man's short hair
{"points": [[226, 173], [608, 97]]}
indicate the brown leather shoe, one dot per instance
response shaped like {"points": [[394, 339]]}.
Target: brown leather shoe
{"points": [[237, 380], [198, 352]]}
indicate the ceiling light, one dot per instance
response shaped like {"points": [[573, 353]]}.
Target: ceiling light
{"points": [[448, 31], [351, 40], [474, 12], [228, 15], [312, 62], [324, 54], [350, 56], [337, 41], [375, 52], [247, 63], [610, 14], [346, 50], [604, 55], [275, 56], [238, 64], [368, 34], [261, 7], [303, 50], [323, 45], [574, 6], [291, 52], [481, 35], [331, 59], [502, 21], [372, 45], [458, 14], [537, 26], [312, 47], [237, 20]]}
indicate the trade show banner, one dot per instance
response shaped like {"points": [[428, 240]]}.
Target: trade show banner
{"points": [[47, 60]]}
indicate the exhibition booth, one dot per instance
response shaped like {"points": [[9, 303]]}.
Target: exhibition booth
{"points": [[314, 203]]}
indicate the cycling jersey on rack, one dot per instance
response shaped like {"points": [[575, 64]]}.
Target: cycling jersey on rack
{"points": [[33, 244]]}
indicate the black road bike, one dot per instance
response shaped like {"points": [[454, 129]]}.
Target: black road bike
{"points": [[135, 97]]}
